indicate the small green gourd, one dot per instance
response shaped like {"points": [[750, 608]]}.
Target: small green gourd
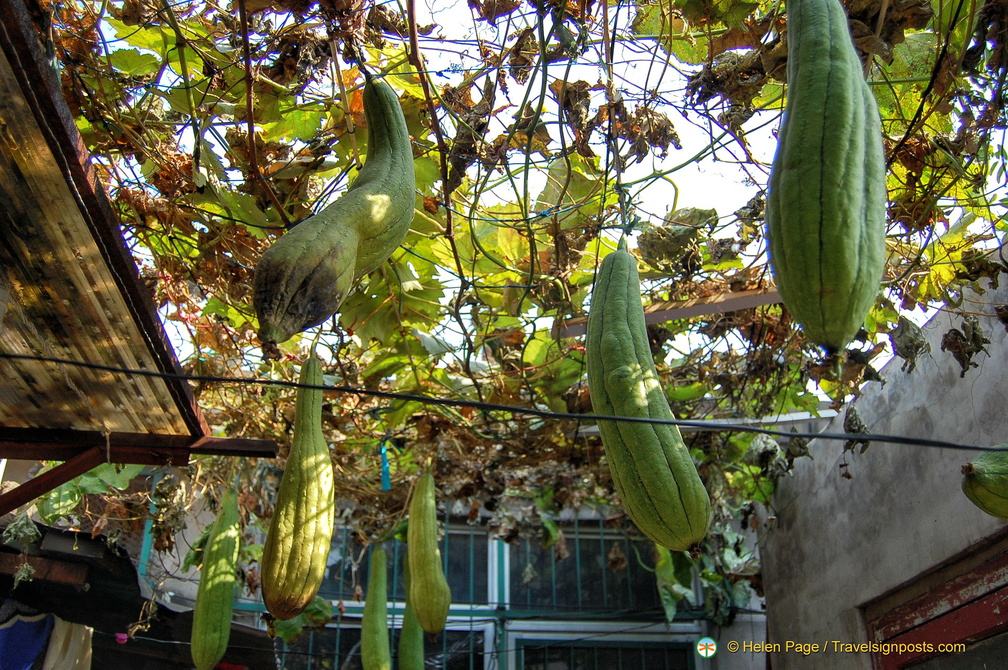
{"points": [[375, 651], [211, 624], [429, 592], [410, 648], [985, 481]]}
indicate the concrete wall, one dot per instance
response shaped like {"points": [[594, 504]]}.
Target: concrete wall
{"points": [[837, 543]]}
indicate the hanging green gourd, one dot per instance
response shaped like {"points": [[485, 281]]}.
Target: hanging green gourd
{"points": [[826, 196], [375, 651], [300, 533], [211, 625], [429, 592], [652, 469]]}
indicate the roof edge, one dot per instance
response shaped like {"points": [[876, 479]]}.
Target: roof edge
{"points": [[42, 91]]}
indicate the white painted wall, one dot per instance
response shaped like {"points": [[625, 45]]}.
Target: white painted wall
{"points": [[837, 543]]}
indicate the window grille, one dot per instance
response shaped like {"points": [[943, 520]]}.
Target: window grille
{"points": [[604, 655], [596, 570], [513, 605], [337, 647], [465, 555]]}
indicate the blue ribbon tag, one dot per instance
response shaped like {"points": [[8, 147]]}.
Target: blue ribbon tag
{"points": [[386, 478]]}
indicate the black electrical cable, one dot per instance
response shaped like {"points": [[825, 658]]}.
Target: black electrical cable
{"points": [[513, 409]]}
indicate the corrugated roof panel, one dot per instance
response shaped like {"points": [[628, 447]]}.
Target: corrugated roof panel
{"points": [[64, 300]]}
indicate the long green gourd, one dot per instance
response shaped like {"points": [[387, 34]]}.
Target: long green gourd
{"points": [[429, 592], [300, 532], [375, 651], [651, 467], [985, 481], [211, 625], [410, 648], [303, 277], [826, 196]]}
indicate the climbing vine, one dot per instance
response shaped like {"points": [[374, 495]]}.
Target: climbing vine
{"points": [[541, 129]]}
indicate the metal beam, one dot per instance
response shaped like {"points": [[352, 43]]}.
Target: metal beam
{"points": [[81, 451], [51, 444], [51, 479]]}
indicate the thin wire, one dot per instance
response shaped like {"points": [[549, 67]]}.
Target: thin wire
{"points": [[561, 640], [514, 409]]}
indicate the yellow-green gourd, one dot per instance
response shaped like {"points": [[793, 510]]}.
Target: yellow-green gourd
{"points": [[410, 648], [300, 532], [985, 481], [429, 593]]}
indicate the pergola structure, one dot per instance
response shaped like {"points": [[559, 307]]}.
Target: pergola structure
{"points": [[71, 291]]}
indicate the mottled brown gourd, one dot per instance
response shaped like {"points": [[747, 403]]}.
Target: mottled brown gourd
{"points": [[211, 626], [300, 533], [826, 196], [429, 593], [651, 467], [303, 277]]}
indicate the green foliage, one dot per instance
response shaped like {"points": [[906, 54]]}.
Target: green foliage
{"points": [[471, 307], [315, 616], [674, 575], [62, 502], [21, 531]]}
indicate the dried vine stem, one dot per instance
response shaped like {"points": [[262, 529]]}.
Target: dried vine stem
{"points": [[250, 118]]}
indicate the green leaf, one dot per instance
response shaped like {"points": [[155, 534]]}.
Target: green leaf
{"points": [[21, 531], [91, 484], [659, 22], [370, 314], [151, 37], [401, 412], [240, 207], [551, 532], [905, 80], [295, 123], [427, 172], [570, 194], [216, 307], [117, 476], [316, 615], [133, 62], [434, 346], [59, 503], [194, 557], [674, 574], [290, 629], [687, 392]]}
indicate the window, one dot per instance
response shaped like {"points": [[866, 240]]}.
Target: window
{"points": [[591, 655], [595, 570], [338, 646], [466, 555], [590, 603], [964, 603]]}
